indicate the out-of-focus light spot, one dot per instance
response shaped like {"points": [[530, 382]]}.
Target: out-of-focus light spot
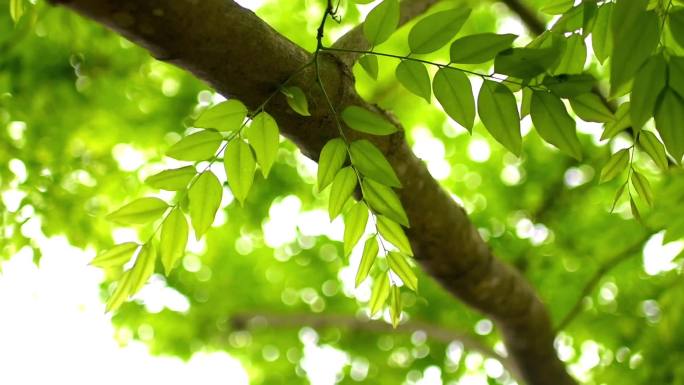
{"points": [[280, 229], [483, 327], [12, 198], [577, 176], [454, 352], [478, 150], [524, 228], [359, 369], [473, 361], [18, 168], [170, 87], [511, 175], [651, 310], [608, 293], [493, 368], [563, 345], [658, 258], [128, 158], [635, 361], [16, 130], [432, 375], [192, 263]]}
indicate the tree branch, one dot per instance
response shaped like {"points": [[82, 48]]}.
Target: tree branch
{"points": [[527, 15], [241, 56]]}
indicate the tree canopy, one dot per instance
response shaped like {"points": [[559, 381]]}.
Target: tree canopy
{"points": [[490, 191]]}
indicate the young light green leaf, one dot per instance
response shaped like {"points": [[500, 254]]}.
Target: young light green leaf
{"points": [[400, 266], [394, 234], [369, 63], [371, 163], [333, 155], [654, 148], [143, 268], [618, 194], [676, 24], [225, 116], [433, 31], [198, 146], [381, 22], [116, 256], [173, 179], [642, 187], [557, 7], [525, 63], [384, 200], [379, 293], [395, 306], [669, 120], [475, 49], [121, 293], [296, 99], [554, 124], [590, 108], [526, 102], [454, 92], [205, 199], [415, 78], [263, 135], [602, 35], [140, 211], [617, 163], [567, 86], [240, 167], [648, 83], [498, 111], [173, 239], [370, 252], [362, 120], [354, 224], [343, 186], [16, 8], [621, 122], [676, 74]]}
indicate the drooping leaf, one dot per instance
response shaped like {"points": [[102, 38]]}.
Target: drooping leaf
{"points": [[140, 211], [240, 168], [263, 135], [16, 8], [526, 102], [590, 108], [669, 120], [434, 31], [557, 7], [116, 256], [479, 48], [371, 163], [395, 306], [618, 194], [225, 116], [498, 111], [567, 86], [333, 155], [379, 293], [642, 187], [363, 120], [370, 64], [602, 35], [385, 201], [296, 99], [648, 83], [121, 293], [343, 186], [381, 22], [394, 234], [574, 56], [616, 164], [590, 11], [553, 123], [415, 78], [198, 146], [621, 122], [354, 224], [400, 266], [205, 200], [173, 239], [654, 148], [143, 268], [635, 209], [454, 92], [676, 24], [525, 63], [676, 74], [173, 179], [370, 252]]}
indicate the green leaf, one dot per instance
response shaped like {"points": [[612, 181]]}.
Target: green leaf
{"points": [[400, 266], [602, 35], [669, 120], [296, 100], [205, 199], [570, 21], [173, 239], [394, 234], [454, 92], [143, 268], [385, 201], [498, 111], [16, 9], [371, 163], [648, 83], [654, 148], [263, 135], [616, 164], [228, 115], [525, 63], [354, 224], [381, 22], [395, 306], [140, 211], [589, 13], [370, 252], [369, 63], [554, 124], [574, 56], [635, 209], [342, 188], [379, 293], [621, 122], [173, 179], [642, 187], [333, 155], [121, 292], [116, 256], [676, 72], [526, 102], [415, 78], [635, 36], [567, 86], [676, 23], [240, 167], [590, 108], [618, 194], [434, 31], [198, 146], [475, 49], [556, 7], [362, 120]]}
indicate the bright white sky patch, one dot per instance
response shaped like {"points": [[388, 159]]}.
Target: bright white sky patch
{"points": [[658, 258]]}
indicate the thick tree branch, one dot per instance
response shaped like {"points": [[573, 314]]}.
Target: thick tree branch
{"points": [[241, 56], [527, 15]]}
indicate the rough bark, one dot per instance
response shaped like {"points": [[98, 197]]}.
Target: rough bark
{"points": [[241, 56]]}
